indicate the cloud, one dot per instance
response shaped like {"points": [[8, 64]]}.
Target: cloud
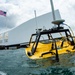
{"points": [[2, 1], [11, 17], [28, 7]]}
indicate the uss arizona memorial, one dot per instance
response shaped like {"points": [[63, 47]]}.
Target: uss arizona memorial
{"points": [[21, 34]]}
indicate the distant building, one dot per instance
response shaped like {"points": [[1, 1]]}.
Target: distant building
{"points": [[22, 33]]}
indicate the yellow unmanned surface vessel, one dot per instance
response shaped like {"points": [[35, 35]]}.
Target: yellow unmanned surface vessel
{"points": [[52, 42]]}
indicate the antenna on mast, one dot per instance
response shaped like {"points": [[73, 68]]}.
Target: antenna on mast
{"points": [[37, 29], [36, 20]]}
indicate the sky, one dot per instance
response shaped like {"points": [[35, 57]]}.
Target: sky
{"points": [[19, 11]]}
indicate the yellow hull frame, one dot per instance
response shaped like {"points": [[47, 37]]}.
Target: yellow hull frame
{"points": [[43, 48]]}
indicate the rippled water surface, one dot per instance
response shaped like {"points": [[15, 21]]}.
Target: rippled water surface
{"points": [[15, 62]]}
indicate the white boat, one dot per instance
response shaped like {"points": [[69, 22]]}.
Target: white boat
{"points": [[20, 35]]}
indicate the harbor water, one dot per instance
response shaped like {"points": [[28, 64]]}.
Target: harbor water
{"points": [[15, 62]]}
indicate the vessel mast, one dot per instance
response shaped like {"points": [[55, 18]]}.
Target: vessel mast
{"points": [[52, 7]]}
